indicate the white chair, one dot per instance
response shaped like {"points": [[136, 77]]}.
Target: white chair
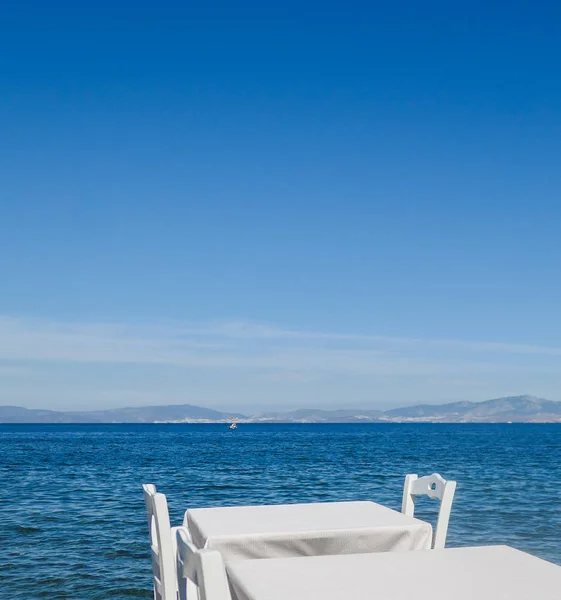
{"points": [[162, 543], [433, 486], [200, 573]]}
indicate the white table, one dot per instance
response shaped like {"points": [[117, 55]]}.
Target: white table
{"points": [[285, 530], [484, 573]]}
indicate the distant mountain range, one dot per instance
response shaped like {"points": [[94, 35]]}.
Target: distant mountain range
{"points": [[176, 413], [519, 409]]}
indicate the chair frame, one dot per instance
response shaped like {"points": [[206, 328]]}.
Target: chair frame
{"points": [[433, 486], [201, 574], [162, 544]]}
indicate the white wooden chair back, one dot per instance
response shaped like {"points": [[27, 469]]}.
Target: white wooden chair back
{"points": [[162, 544], [433, 486], [200, 573]]}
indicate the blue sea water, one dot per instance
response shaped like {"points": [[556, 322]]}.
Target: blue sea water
{"points": [[72, 520]]}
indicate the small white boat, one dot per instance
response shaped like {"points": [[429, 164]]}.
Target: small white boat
{"points": [[233, 425]]}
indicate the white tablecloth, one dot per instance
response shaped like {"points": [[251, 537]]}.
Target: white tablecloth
{"points": [[484, 573], [245, 532]]}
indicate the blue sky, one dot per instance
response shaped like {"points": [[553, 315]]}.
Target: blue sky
{"points": [[248, 207]]}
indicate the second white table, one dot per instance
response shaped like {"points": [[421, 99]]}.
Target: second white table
{"points": [[247, 532], [484, 573]]}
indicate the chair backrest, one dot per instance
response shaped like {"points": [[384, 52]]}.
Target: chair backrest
{"points": [[200, 573], [161, 544], [433, 486]]}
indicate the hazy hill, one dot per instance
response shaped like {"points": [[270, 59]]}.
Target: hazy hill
{"points": [[321, 416], [513, 408], [18, 414], [142, 414]]}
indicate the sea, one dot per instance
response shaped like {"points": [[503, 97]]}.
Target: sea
{"points": [[72, 518]]}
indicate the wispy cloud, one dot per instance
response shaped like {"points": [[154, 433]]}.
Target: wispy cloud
{"points": [[60, 364], [13, 371], [261, 331], [247, 345]]}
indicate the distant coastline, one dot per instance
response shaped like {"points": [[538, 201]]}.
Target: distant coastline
{"points": [[511, 409]]}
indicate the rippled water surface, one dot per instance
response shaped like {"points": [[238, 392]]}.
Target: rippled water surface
{"points": [[72, 521]]}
